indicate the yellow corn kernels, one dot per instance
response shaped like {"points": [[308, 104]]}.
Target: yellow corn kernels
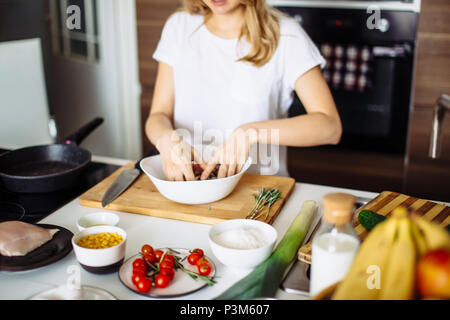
{"points": [[100, 240]]}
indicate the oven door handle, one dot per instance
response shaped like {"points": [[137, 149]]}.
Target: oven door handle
{"points": [[391, 52]]}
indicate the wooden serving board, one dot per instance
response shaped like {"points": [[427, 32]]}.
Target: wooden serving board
{"points": [[142, 197], [384, 204]]}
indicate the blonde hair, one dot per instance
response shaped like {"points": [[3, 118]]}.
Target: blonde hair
{"points": [[261, 27]]}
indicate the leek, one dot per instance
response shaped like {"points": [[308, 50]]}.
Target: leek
{"points": [[265, 279]]}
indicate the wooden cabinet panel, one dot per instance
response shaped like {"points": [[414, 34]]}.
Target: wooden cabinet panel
{"points": [[432, 68], [146, 100], [346, 168], [148, 37], [147, 75], [434, 16], [155, 11], [433, 54], [426, 177], [426, 94], [151, 16]]}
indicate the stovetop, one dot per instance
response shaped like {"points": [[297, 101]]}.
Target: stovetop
{"points": [[33, 207]]}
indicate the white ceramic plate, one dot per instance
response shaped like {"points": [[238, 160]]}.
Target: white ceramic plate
{"points": [[65, 293], [181, 284]]}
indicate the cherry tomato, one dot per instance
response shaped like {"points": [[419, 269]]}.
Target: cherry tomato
{"points": [[166, 264], [168, 272], [138, 262], [193, 258], [146, 249], [169, 257], [144, 285], [150, 258], [201, 261], [158, 254], [204, 269], [199, 251], [162, 280], [137, 277], [140, 269]]}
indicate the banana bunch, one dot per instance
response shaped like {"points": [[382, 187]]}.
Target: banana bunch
{"points": [[385, 265]]}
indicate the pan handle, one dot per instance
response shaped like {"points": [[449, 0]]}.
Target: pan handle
{"points": [[78, 136]]}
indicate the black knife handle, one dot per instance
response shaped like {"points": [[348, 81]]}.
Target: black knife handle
{"points": [[137, 165], [150, 154]]}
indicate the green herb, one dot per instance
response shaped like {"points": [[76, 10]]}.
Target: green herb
{"points": [[265, 279], [264, 201], [195, 275], [174, 251]]}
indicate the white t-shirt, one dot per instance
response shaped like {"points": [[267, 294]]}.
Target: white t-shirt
{"points": [[215, 94]]}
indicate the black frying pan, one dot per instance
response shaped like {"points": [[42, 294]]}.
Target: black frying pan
{"points": [[46, 168]]}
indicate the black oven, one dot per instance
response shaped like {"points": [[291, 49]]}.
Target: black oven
{"points": [[369, 71]]}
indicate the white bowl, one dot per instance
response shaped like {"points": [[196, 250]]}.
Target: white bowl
{"points": [[105, 260], [190, 192], [101, 218], [242, 258]]}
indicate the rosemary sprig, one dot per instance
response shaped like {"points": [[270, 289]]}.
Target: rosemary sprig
{"points": [[173, 251], [264, 199]]}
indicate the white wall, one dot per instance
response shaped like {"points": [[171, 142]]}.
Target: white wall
{"points": [[110, 89], [24, 115]]}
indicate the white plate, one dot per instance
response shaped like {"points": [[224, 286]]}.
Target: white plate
{"points": [[181, 284], [65, 293]]}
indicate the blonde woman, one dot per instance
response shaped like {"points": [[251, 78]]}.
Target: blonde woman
{"points": [[231, 67]]}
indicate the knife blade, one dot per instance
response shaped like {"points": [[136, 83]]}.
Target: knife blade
{"points": [[122, 182]]}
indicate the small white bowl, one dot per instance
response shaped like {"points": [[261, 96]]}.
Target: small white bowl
{"points": [[242, 258], [190, 192], [100, 261], [101, 218]]}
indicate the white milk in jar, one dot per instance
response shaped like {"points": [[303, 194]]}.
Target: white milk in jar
{"points": [[333, 256], [335, 244]]}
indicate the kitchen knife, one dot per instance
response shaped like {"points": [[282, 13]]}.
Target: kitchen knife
{"points": [[122, 182]]}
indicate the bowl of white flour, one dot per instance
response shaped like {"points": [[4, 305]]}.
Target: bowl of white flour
{"points": [[242, 243]]}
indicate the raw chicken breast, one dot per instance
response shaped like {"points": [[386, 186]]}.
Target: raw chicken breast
{"points": [[19, 238]]}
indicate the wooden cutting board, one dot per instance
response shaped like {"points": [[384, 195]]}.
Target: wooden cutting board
{"points": [[142, 197], [384, 204]]}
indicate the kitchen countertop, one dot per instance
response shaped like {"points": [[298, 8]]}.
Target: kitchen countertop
{"points": [[158, 232]]}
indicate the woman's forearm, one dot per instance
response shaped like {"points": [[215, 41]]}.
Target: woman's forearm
{"points": [[158, 128], [302, 131], [321, 125]]}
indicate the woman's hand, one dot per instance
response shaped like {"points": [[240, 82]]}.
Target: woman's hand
{"points": [[232, 155], [177, 158]]}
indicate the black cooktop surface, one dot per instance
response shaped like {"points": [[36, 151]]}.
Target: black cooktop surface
{"points": [[33, 207]]}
